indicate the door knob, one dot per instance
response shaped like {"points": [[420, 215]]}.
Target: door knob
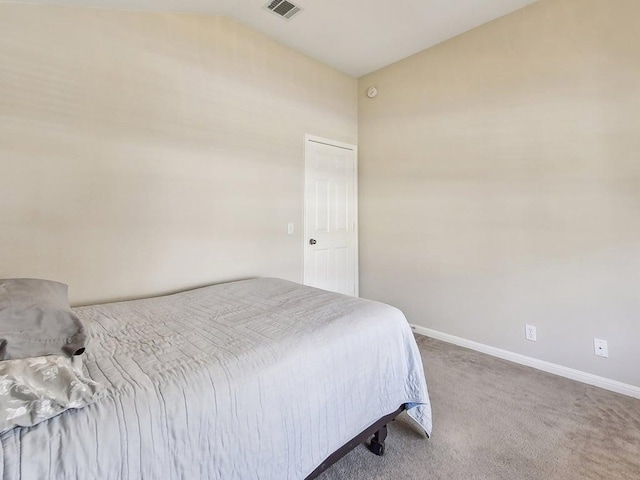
{"points": [[312, 241]]}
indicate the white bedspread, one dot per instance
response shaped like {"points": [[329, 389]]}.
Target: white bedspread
{"points": [[256, 379]]}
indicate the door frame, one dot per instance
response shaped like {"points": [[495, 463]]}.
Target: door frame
{"points": [[355, 227]]}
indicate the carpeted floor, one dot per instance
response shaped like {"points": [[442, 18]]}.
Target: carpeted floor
{"points": [[494, 419]]}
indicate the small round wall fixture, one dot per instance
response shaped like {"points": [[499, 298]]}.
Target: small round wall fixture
{"points": [[372, 92]]}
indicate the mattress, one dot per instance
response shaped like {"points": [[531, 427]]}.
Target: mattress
{"points": [[261, 378]]}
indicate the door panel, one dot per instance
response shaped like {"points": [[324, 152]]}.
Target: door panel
{"points": [[321, 268], [341, 272], [322, 205], [341, 207]]}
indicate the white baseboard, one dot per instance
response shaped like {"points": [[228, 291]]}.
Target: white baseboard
{"points": [[549, 367]]}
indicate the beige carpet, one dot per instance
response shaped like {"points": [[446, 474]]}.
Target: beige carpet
{"points": [[494, 419]]}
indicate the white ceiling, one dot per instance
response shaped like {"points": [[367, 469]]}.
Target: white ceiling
{"points": [[354, 36]]}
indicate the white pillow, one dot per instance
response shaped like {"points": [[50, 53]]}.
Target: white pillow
{"points": [[35, 389], [36, 320]]}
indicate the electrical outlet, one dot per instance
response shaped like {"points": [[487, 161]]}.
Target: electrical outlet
{"points": [[601, 348], [290, 228], [530, 333]]}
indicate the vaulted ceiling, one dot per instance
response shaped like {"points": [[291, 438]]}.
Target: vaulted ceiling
{"points": [[354, 36]]}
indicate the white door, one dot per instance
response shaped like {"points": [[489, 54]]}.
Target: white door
{"points": [[331, 236]]}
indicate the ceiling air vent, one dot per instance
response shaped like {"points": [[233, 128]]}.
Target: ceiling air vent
{"points": [[283, 8]]}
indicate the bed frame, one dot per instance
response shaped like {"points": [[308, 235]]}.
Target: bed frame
{"points": [[379, 432]]}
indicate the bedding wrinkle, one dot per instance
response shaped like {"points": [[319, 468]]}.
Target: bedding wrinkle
{"points": [[255, 379]]}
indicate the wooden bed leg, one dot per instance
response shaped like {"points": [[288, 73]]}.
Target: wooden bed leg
{"points": [[376, 445]]}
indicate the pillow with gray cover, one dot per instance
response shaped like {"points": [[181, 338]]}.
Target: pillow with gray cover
{"points": [[36, 320], [35, 389]]}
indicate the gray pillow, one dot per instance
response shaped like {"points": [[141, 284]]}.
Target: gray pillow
{"points": [[36, 320], [35, 389]]}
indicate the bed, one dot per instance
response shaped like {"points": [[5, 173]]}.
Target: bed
{"points": [[261, 378]]}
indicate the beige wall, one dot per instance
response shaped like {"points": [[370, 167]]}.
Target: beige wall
{"points": [[142, 153], [500, 184]]}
